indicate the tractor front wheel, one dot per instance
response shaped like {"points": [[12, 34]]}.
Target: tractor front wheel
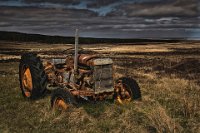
{"points": [[126, 90]]}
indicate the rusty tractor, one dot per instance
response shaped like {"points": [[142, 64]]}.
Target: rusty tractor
{"points": [[79, 76]]}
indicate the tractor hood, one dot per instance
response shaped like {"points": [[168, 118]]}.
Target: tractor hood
{"points": [[93, 60]]}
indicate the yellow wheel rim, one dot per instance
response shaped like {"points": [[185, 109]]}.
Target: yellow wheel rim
{"points": [[27, 82], [60, 104], [125, 95]]}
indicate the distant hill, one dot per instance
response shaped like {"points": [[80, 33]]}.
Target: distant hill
{"points": [[24, 37]]}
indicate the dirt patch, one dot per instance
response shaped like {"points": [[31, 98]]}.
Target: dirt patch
{"points": [[187, 65]]}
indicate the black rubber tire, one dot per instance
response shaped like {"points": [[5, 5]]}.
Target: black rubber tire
{"points": [[65, 95], [39, 77], [134, 87]]}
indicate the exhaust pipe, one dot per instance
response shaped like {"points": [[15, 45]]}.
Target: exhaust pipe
{"points": [[76, 52]]}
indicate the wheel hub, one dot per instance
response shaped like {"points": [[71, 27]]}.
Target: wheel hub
{"points": [[124, 95]]}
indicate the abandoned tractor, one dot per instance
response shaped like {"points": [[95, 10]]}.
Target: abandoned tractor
{"points": [[81, 76]]}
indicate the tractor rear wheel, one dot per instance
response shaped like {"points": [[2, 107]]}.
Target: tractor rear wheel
{"points": [[62, 99], [127, 90], [32, 77]]}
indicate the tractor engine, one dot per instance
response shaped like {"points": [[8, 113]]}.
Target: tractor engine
{"points": [[94, 75]]}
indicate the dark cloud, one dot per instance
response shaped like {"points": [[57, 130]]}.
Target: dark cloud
{"points": [[168, 8], [100, 3], [18, 12], [43, 20], [73, 2], [121, 18]]}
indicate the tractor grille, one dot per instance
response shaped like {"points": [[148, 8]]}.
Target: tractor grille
{"points": [[103, 77]]}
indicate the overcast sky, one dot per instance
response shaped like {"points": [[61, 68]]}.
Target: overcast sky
{"points": [[103, 18]]}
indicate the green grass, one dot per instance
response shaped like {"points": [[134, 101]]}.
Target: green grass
{"points": [[169, 104]]}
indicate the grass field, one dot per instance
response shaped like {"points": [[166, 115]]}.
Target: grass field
{"points": [[168, 74]]}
